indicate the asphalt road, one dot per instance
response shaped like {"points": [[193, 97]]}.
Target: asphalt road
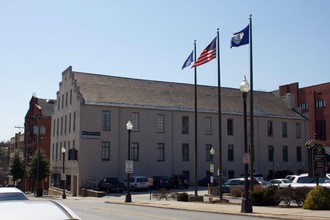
{"points": [[97, 209]]}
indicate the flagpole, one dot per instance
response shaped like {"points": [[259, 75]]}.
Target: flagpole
{"points": [[196, 151], [251, 111], [219, 117]]}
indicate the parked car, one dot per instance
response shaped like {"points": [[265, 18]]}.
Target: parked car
{"points": [[228, 184], [159, 182], [279, 174], [290, 177], [11, 193], [258, 176], [282, 183], [36, 210], [305, 180], [265, 183], [206, 180], [111, 184], [180, 181], [138, 183]]}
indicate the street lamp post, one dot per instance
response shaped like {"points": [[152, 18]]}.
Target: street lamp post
{"points": [[246, 202], [63, 173], [129, 127], [212, 152]]}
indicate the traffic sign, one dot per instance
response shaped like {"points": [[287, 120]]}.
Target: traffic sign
{"points": [[129, 166]]}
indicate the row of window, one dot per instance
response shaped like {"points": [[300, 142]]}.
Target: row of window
{"points": [[160, 125], [284, 130], [57, 147], [63, 101], [64, 124], [285, 153], [318, 104], [160, 149]]}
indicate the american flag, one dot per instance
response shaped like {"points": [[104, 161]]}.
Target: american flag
{"points": [[208, 54]]}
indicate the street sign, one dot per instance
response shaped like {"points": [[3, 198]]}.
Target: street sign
{"points": [[318, 161], [211, 168], [246, 158], [63, 176], [129, 166]]}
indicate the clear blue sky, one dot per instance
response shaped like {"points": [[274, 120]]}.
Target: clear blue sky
{"points": [[150, 39]]}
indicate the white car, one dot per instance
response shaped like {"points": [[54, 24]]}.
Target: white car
{"points": [[138, 183], [11, 193], [304, 180], [36, 210], [290, 177], [282, 183]]}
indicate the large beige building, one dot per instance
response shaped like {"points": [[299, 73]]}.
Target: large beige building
{"points": [[92, 110]]}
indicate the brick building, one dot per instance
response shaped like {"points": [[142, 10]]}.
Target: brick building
{"points": [[37, 133], [311, 102]]}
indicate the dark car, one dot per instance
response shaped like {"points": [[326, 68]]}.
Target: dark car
{"points": [[111, 184], [240, 182], [179, 181], [161, 182], [206, 180]]}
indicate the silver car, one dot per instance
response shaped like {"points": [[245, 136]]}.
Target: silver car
{"points": [[36, 210], [11, 193]]}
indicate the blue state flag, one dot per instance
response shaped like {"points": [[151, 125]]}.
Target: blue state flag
{"points": [[240, 38], [189, 60]]}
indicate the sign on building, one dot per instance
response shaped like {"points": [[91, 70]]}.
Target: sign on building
{"points": [[91, 135]]}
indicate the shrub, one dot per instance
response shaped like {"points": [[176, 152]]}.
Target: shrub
{"points": [[237, 191], [257, 197], [318, 199], [183, 197], [270, 197], [264, 197]]}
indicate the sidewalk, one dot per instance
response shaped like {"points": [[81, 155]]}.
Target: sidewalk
{"points": [[225, 208]]}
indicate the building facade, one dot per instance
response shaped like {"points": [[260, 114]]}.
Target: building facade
{"points": [[91, 112], [37, 130], [312, 103], [16, 147]]}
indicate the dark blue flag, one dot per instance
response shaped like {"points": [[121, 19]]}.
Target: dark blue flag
{"points": [[189, 60], [240, 38]]}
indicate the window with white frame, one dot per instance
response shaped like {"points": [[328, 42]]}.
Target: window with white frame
{"points": [[160, 123], [284, 129], [135, 151], [160, 152], [185, 125], [208, 125], [298, 130], [230, 127], [299, 154], [105, 151], [135, 119], [270, 128], [285, 153], [106, 120]]}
